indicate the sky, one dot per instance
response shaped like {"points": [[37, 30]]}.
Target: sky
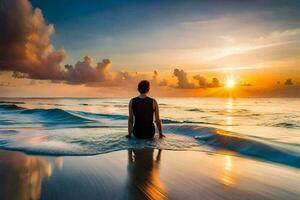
{"points": [[101, 48]]}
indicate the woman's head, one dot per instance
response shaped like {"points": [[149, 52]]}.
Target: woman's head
{"points": [[144, 86]]}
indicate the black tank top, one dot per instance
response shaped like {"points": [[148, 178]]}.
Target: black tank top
{"points": [[143, 117]]}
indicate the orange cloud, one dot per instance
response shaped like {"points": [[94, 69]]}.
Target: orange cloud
{"points": [[84, 71], [25, 44]]}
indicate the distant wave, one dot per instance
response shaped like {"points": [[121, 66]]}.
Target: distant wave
{"points": [[11, 102], [286, 125], [195, 110], [67, 116], [8, 132], [58, 115], [49, 115], [10, 107], [236, 113], [96, 116]]}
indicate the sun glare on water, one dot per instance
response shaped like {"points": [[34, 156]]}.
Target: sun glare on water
{"points": [[230, 83]]}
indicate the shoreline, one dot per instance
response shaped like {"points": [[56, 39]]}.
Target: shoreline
{"points": [[146, 173]]}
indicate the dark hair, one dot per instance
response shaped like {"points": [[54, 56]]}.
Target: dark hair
{"points": [[144, 86]]}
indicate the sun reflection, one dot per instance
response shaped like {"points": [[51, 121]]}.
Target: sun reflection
{"points": [[229, 110], [227, 173]]}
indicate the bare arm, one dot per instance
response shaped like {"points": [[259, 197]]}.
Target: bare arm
{"points": [[130, 120], [157, 119], [130, 156]]}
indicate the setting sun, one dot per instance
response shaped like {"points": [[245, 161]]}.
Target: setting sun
{"points": [[230, 83]]}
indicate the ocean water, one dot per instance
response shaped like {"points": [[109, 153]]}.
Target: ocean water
{"points": [[267, 129]]}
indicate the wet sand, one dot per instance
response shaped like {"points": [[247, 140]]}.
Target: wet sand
{"points": [[145, 174]]}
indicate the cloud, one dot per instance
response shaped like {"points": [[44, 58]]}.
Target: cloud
{"points": [[154, 77], [289, 81], [25, 42], [182, 79], [84, 71], [201, 82], [156, 81], [215, 83], [246, 85], [26, 50]]}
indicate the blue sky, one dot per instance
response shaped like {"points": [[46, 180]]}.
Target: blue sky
{"points": [[145, 34]]}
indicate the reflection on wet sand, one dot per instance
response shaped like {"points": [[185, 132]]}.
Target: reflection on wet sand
{"points": [[179, 175], [22, 175], [226, 176], [143, 175]]}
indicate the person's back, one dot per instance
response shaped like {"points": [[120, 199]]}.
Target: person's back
{"points": [[143, 114], [141, 110]]}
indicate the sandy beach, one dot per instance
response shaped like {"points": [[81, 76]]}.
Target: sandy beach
{"points": [[145, 174]]}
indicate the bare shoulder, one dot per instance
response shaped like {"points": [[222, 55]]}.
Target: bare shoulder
{"points": [[130, 101], [155, 104]]}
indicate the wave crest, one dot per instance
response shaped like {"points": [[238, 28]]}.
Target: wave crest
{"points": [[286, 125], [56, 114], [10, 107]]}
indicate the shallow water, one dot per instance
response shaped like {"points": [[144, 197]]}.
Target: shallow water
{"points": [[266, 129]]}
